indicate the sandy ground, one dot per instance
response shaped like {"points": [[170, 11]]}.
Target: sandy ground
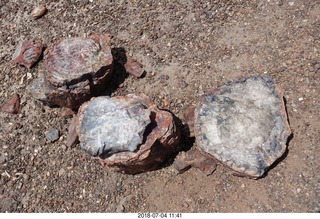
{"points": [[187, 48]]}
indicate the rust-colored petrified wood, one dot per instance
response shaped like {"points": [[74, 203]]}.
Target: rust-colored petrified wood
{"points": [[134, 67], [242, 125], [74, 70], [194, 158], [12, 105], [128, 133], [27, 53]]}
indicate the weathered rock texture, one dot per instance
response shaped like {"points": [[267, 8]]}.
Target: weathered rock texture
{"points": [[128, 133], [27, 53], [194, 158], [38, 11], [243, 125], [134, 67], [75, 69], [52, 135], [72, 136], [12, 105]]}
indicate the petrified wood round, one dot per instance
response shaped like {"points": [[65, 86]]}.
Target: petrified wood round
{"points": [[75, 69], [128, 133], [243, 125]]}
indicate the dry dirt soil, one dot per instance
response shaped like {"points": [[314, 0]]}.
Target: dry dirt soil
{"points": [[187, 48]]}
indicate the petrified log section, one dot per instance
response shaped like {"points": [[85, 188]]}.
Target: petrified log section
{"points": [[243, 125], [75, 69], [128, 133]]}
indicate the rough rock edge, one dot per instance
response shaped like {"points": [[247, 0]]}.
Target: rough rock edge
{"points": [[238, 171], [64, 96], [12, 105], [196, 159], [161, 143], [33, 49], [134, 67]]}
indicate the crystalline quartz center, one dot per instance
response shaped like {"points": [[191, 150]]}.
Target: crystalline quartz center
{"points": [[243, 125], [111, 125]]}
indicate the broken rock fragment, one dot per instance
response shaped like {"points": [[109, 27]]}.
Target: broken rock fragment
{"points": [[243, 125], [27, 53], [128, 133], [12, 105], [134, 67], [72, 136], [52, 135], [75, 69], [38, 11], [194, 158]]}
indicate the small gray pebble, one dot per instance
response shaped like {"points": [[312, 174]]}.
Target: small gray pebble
{"points": [[52, 135]]}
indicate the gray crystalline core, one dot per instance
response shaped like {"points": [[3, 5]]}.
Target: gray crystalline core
{"points": [[241, 125], [111, 125]]}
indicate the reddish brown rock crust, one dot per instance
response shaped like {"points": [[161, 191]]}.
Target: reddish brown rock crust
{"points": [[161, 138], [134, 67], [27, 53], [12, 105], [196, 159], [75, 69], [243, 125]]}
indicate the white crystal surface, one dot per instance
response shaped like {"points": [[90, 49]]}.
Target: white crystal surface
{"points": [[241, 125], [111, 125]]}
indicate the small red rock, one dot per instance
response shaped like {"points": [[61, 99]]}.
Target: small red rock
{"points": [[38, 11], [134, 67], [72, 137], [13, 105], [194, 158], [27, 53]]}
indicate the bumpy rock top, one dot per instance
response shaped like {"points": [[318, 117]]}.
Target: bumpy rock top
{"points": [[74, 58], [110, 125], [27, 53], [243, 125]]}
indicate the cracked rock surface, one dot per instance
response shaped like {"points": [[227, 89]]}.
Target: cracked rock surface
{"points": [[186, 48], [243, 125], [27, 53], [127, 132], [75, 69]]}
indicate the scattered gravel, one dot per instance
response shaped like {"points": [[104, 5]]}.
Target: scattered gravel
{"points": [[187, 48]]}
